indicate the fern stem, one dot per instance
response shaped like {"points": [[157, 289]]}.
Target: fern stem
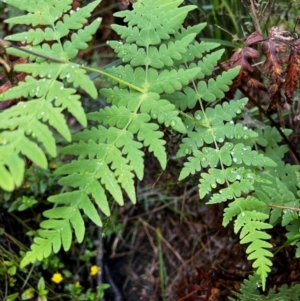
{"points": [[194, 120], [123, 82], [283, 207], [48, 58]]}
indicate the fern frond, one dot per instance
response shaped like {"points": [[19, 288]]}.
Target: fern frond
{"points": [[12, 167], [239, 205], [209, 127], [185, 31], [170, 81], [153, 29], [109, 155], [215, 88], [150, 136], [163, 72], [72, 21], [251, 223], [249, 291], [32, 121], [114, 168], [242, 184], [208, 62], [57, 231], [281, 195], [165, 55]]}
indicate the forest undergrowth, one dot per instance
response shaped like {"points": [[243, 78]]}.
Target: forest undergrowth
{"points": [[140, 160]]}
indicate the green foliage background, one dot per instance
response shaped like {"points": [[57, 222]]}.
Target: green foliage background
{"points": [[166, 81]]}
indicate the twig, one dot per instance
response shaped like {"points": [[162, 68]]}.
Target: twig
{"points": [[164, 241], [254, 17]]}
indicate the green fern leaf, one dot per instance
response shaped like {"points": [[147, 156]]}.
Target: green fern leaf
{"points": [[155, 57], [209, 181], [197, 50], [61, 212], [35, 36], [112, 116], [228, 110], [193, 165], [21, 144], [235, 189], [183, 32], [76, 19], [239, 205], [150, 136], [242, 153], [250, 291], [39, 17], [165, 113], [216, 88], [54, 52], [280, 194], [213, 128], [44, 69], [242, 183], [116, 96], [47, 97], [91, 186], [67, 99], [54, 232], [169, 81], [156, 29], [123, 172], [208, 63], [148, 94], [80, 38], [30, 5], [72, 73], [183, 100], [97, 169], [130, 148], [108, 179], [120, 170], [76, 75], [166, 81], [12, 167], [30, 123], [52, 11], [251, 223]]}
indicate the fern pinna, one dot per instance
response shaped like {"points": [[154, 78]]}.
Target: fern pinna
{"points": [[249, 291], [161, 84]]}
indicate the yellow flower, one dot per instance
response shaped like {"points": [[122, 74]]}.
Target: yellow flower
{"points": [[28, 294], [94, 270], [57, 278], [53, 165], [77, 284]]}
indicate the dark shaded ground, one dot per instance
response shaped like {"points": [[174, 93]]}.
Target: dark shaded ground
{"points": [[199, 255], [202, 260]]}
